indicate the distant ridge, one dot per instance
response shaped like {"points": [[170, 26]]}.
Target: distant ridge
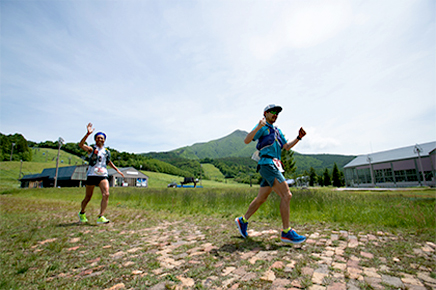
{"points": [[233, 145], [229, 146]]}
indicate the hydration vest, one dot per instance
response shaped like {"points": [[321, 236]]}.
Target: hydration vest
{"points": [[93, 158], [269, 139]]}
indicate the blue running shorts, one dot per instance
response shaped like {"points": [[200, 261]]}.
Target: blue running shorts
{"points": [[269, 173]]}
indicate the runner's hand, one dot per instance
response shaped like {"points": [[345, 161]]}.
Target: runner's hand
{"points": [[262, 123], [90, 129], [301, 133]]}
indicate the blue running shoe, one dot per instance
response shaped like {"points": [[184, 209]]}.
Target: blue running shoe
{"points": [[292, 237], [242, 227]]}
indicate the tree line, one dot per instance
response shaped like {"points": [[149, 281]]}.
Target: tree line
{"points": [[336, 178], [241, 169], [14, 148]]}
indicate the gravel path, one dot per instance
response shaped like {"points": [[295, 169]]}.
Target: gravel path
{"points": [[180, 255]]}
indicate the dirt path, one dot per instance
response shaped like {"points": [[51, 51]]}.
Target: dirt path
{"points": [[180, 255], [45, 248]]}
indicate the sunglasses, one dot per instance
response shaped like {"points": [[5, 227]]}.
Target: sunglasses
{"points": [[273, 112]]}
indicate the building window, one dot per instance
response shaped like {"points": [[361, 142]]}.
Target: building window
{"points": [[379, 176], [428, 175], [383, 175], [388, 175], [400, 176], [364, 175], [411, 175], [350, 177]]}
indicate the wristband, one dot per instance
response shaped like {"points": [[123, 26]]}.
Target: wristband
{"points": [[298, 137]]}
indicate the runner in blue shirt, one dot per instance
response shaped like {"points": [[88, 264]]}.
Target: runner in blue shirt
{"points": [[271, 141]]}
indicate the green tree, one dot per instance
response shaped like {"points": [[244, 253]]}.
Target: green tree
{"points": [[320, 179], [326, 178], [312, 176], [17, 145], [288, 163], [342, 177], [336, 176]]}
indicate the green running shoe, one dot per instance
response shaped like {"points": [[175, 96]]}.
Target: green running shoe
{"points": [[102, 220], [82, 218]]}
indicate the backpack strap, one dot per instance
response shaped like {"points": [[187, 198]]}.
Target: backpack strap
{"points": [[92, 159], [108, 156], [268, 140]]}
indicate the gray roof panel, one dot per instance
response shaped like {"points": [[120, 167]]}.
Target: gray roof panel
{"points": [[392, 155]]}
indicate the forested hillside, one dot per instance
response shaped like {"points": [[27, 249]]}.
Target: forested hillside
{"points": [[220, 151], [14, 148], [230, 155], [320, 161], [22, 150], [228, 146]]}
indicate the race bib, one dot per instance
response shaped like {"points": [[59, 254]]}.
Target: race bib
{"points": [[100, 171], [278, 164]]}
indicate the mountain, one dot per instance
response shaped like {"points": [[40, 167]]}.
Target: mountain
{"points": [[229, 146], [233, 146]]}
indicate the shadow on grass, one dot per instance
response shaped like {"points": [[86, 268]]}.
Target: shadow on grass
{"points": [[75, 224]]}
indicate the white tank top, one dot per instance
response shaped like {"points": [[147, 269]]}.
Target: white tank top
{"points": [[99, 169]]}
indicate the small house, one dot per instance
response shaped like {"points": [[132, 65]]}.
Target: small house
{"points": [[132, 177]]}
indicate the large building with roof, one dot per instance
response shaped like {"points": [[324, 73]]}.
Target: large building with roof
{"points": [[402, 167], [68, 176], [75, 176]]}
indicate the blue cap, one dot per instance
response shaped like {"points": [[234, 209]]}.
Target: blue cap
{"points": [[99, 133]]}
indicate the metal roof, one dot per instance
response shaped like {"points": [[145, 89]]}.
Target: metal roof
{"points": [[34, 176], [64, 173], [392, 155], [79, 173]]}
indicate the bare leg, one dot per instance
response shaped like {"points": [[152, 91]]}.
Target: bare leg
{"points": [[104, 187], [258, 201], [88, 195], [282, 189]]}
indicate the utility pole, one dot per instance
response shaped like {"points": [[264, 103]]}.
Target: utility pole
{"points": [[369, 159], [12, 150], [418, 150], [21, 167], [61, 141]]}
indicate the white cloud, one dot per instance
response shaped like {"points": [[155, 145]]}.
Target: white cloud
{"points": [[315, 142], [301, 26]]}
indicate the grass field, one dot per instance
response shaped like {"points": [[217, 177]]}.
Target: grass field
{"points": [[41, 155], [43, 246], [10, 172], [211, 172], [42, 158], [410, 210]]}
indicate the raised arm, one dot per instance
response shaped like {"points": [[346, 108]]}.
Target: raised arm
{"points": [[82, 142], [250, 135], [290, 144], [114, 167]]}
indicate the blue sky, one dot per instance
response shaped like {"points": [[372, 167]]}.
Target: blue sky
{"points": [[359, 76]]}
